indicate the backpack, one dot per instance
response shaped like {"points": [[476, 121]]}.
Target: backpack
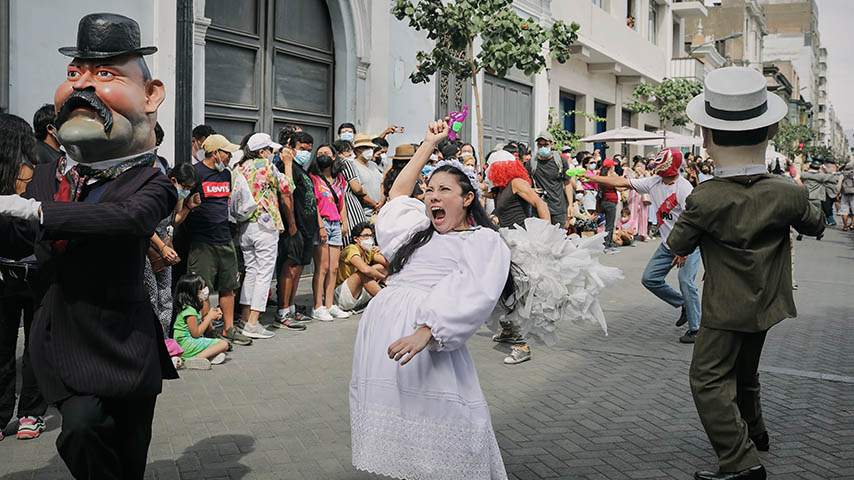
{"points": [[848, 183]]}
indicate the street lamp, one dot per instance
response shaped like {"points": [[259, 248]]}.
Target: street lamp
{"points": [[722, 39]]}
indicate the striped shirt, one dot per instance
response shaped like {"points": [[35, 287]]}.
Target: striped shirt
{"points": [[355, 214]]}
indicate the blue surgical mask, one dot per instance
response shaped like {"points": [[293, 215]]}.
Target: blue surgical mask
{"points": [[302, 157], [348, 136], [544, 152], [182, 193]]}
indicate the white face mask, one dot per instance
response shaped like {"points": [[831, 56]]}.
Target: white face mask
{"points": [[182, 193], [204, 294], [200, 154], [383, 158], [367, 243], [347, 136], [368, 154], [219, 165], [350, 157]]}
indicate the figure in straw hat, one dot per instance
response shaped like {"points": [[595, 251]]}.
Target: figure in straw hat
{"points": [[740, 219]]}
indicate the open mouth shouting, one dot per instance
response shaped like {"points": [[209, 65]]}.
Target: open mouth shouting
{"points": [[437, 213]]}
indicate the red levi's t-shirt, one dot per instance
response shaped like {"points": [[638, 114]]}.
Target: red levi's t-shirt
{"points": [[609, 194], [208, 223]]}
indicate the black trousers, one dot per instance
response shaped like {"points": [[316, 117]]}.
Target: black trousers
{"points": [[31, 402], [610, 211], [105, 438]]}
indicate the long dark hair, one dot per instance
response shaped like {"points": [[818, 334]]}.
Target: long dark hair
{"points": [[186, 295], [16, 144], [337, 163], [475, 213]]}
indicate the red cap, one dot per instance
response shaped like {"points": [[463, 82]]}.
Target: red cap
{"points": [[667, 162], [608, 163]]}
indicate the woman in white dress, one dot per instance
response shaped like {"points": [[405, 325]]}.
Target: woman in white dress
{"points": [[420, 414]]}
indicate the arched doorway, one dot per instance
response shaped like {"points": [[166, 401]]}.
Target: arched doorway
{"points": [[268, 62]]}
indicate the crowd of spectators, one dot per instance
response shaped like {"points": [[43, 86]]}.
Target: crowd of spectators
{"points": [[265, 209]]}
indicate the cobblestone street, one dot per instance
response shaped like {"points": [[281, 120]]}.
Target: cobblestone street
{"points": [[593, 407]]}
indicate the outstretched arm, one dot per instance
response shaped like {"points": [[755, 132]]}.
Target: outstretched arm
{"points": [[405, 182], [619, 182]]}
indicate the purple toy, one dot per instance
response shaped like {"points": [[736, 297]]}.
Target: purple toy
{"points": [[457, 119]]}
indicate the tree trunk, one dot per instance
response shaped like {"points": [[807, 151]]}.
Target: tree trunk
{"points": [[482, 159]]}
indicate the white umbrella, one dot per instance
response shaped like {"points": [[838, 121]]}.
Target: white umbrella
{"points": [[622, 134], [671, 139]]}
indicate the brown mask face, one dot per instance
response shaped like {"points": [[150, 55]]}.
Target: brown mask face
{"points": [[106, 109]]}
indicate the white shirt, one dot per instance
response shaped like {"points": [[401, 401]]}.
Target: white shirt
{"points": [[667, 200]]}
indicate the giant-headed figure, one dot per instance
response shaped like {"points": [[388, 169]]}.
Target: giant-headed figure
{"points": [[96, 345]]}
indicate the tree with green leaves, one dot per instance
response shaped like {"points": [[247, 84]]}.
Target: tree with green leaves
{"points": [[789, 138], [669, 99], [562, 137], [506, 41]]}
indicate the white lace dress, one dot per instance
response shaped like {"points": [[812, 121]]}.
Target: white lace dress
{"points": [[427, 419]]}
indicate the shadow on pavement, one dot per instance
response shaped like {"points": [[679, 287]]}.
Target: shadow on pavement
{"points": [[215, 457]]}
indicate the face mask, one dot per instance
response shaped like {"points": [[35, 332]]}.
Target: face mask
{"points": [[593, 166], [348, 136], [383, 158], [625, 219], [350, 157], [434, 158], [367, 243], [200, 155], [544, 151], [182, 193], [324, 161], [204, 294], [367, 154], [219, 166], [302, 157]]}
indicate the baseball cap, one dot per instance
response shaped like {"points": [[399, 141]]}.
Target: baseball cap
{"points": [[261, 140], [218, 142], [545, 136], [608, 163]]}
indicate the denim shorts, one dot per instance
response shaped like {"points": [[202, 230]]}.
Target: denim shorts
{"points": [[333, 233]]}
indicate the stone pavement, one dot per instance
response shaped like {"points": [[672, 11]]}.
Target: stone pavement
{"points": [[593, 407]]}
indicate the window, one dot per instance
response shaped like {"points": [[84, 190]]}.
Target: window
{"points": [[598, 3], [652, 27], [627, 118], [600, 110], [567, 104], [630, 10], [720, 46]]}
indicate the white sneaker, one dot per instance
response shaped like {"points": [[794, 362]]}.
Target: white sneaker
{"points": [[322, 314], [337, 312], [257, 331], [218, 359], [197, 363]]}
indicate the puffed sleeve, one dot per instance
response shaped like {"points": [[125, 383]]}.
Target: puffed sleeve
{"points": [[397, 221], [461, 302]]}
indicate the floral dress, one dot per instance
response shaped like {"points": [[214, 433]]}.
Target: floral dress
{"points": [[266, 182]]}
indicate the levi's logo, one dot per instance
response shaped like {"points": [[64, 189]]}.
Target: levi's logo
{"points": [[215, 189]]}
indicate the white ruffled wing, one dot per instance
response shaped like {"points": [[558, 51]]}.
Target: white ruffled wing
{"points": [[558, 278]]}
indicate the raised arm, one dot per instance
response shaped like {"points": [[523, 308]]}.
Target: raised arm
{"points": [[619, 182], [408, 177]]}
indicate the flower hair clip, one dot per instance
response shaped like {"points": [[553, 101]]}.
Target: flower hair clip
{"points": [[467, 171]]}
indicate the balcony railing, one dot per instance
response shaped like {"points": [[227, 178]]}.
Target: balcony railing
{"points": [[688, 67]]}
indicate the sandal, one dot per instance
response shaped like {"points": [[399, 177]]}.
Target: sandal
{"points": [[845, 229]]}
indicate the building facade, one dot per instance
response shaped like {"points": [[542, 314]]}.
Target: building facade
{"points": [[737, 28], [257, 64]]}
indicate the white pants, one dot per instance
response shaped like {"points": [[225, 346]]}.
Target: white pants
{"points": [[344, 297], [259, 246]]}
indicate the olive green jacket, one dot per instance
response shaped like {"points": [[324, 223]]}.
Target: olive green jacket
{"points": [[742, 227]]}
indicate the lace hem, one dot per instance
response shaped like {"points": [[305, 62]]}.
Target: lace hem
{"points": [[422, 448]]}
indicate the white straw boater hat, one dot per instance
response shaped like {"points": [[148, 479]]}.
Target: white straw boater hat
{"points": [[734, 99]]}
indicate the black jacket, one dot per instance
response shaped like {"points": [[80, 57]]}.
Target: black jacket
{"points": [[94, 330]]}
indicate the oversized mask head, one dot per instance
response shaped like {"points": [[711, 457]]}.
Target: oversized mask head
{"points": [[107, 106]]}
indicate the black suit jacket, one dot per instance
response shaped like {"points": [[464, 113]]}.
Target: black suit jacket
{"points": [[94, 330]]}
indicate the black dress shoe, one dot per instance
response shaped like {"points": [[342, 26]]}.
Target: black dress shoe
{"points": [[758, 474], [761, 441], [682, 318]]}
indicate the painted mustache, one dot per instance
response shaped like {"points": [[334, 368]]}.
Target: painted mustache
{"points": [[86, 98]]}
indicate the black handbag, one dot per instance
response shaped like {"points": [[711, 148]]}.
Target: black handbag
{"points": [[15, 277]]}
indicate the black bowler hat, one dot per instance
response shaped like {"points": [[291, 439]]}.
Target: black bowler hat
{"points": [[103, 35]]}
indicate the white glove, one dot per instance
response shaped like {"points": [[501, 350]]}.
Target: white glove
{"points": [[19, 207]]}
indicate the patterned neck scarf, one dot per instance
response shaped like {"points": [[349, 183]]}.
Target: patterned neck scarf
{"points": [[72, 182]]}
